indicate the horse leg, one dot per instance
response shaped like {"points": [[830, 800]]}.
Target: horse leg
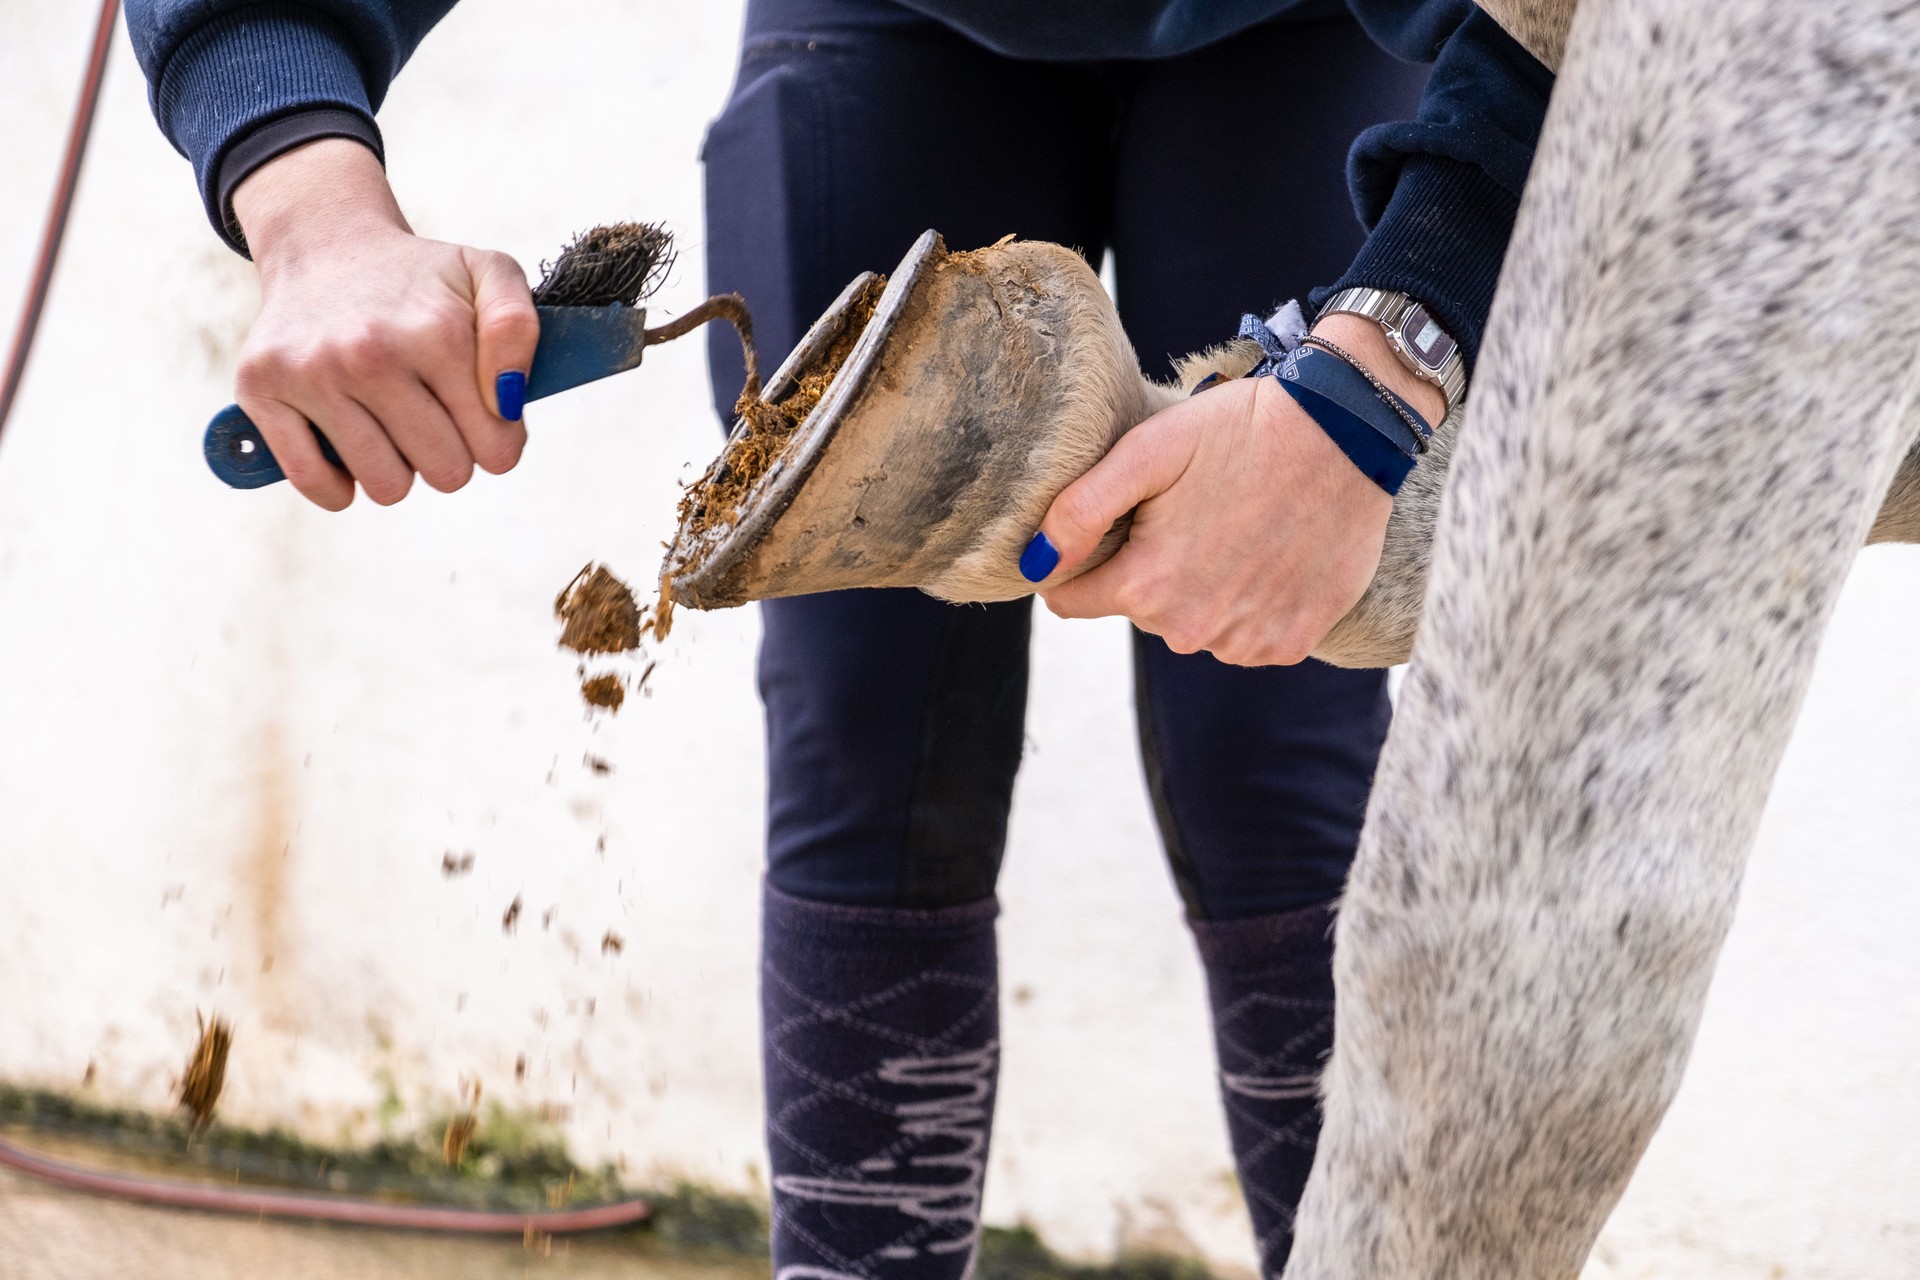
{"points": [[1696, 389]]}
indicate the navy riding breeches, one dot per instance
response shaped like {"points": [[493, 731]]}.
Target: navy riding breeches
{"points": [[1216, 181]]}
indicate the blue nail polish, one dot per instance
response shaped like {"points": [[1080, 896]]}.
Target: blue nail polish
{"points": [[1039, 559], [510, 390]]}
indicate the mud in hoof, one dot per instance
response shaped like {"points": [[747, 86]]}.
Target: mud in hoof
{"points": [[917, 434], [766, 428]]}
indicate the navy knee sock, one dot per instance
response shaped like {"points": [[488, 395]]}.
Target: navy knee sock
{"points": [[881, 1037], [1270, 982]]}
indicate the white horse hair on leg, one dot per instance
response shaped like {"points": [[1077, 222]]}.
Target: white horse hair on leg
{"points": [[1698, 381]]}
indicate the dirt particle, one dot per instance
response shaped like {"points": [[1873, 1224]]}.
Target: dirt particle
{"points": [[612, 944], [606, 691], [459, 1133], [455, 864], [511, 917], [662, 617], [600, 616], [460, 1128], [206, 1073], [598, 765], [599, 613]]}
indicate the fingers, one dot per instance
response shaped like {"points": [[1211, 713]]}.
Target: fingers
{"points": [[285, 430], [424, 432], [506, 330], [1119, 588], [392, 346], [365, 446], [1147, 461], [381, 417]]}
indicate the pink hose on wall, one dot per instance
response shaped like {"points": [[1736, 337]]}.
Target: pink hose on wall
{"points": [[291, 1205]]}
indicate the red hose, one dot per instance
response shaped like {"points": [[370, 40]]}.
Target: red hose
{"points": [[359, 1213], [56, 228]]}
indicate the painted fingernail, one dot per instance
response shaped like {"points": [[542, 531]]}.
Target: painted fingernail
{"points": [[510, 391], [1039, 559]]}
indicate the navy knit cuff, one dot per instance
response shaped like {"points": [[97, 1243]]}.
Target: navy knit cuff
{"points": [[1440, 241], [247, 69]]}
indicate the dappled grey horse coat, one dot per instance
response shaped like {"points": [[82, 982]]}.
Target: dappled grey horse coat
{"points": [[1698, 383]]}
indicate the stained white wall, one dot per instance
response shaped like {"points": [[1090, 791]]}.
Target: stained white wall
{"points": [[237, 735]]}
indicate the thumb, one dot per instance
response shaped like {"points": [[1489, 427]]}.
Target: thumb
{"points": [[506, 329], [1146, 463]]}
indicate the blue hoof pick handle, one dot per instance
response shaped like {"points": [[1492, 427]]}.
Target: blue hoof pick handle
{"points": [[240, 457], [577, 345]]}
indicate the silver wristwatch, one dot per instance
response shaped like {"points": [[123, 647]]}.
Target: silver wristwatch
{"points": [[1415, 336]]}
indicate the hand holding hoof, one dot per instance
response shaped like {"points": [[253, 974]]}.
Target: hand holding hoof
{"points": [[1252, 534]]}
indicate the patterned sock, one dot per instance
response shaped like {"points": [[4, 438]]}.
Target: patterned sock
{"points": [[1270, 981], [881, 1031]]}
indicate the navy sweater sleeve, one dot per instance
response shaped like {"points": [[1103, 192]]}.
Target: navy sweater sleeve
{"points": [[1439, 193], [234, 83]]}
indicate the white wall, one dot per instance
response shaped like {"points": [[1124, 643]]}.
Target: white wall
{"points": [[237, 735]]}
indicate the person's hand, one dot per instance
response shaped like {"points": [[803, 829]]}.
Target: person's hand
{"points": [[1252, 533], [392, 345]]}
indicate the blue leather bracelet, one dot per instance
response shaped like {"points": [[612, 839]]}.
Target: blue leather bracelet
{"points": [[1347, 405], [1346, 386], [1379, 459]]}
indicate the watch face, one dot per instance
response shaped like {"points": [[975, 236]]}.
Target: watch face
{"points": [[1424, 339]]}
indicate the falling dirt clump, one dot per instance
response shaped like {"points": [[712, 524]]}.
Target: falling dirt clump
{"points": [[601, 616], [714, 500], [461, 1128], [459, 1133], [600, 613], [511, 916], [662, 613], [604, 691], [206, 1073]]}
